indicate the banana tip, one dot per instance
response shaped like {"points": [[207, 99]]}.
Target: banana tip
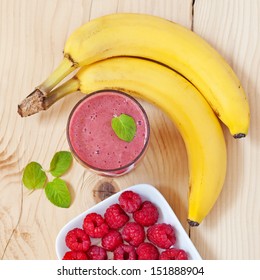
{"points": [[192, 223], [239, 135]]}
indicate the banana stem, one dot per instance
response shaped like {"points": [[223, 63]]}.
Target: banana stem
{"points": [[37, 101], [34, 102], [66, 66], [68, 87]]}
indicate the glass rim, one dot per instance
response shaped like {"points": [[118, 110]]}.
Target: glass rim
{"points": [[136, 159]]}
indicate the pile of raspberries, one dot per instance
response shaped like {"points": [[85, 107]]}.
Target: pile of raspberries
{"points": [[128, 230]]}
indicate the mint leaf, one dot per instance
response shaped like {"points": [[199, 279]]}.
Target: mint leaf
{"points": [[58, 193], [33, 176], [60, 163], [124, 127]]}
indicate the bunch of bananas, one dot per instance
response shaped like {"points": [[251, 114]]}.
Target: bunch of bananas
{"points": [[169, 66]]}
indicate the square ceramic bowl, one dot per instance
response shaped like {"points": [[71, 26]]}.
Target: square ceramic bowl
{"points": [[147, 192]]}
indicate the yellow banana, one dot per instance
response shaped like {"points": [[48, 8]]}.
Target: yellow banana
{"points": [[163, 41], [180, 100]]}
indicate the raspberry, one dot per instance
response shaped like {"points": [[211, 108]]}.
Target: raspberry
{"points": [[130, 201], [96, 253], [95, 226], [133, 233], [147, 215], [162, 235], [147, 251], [75, 255], [125, 252], [111, 240], [173, 254], [77, 240], [115, 216]]}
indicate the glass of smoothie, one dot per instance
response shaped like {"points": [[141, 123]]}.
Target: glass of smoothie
{"points": [[93, 141]]}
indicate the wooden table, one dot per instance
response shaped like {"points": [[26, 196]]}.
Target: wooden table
{"points": [[33, 33]]}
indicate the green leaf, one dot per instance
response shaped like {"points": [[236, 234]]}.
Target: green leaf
{"points": [[33, 176], [60, 163], [58, 193], [124, 127]]}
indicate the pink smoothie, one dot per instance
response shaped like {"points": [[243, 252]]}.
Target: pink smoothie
{"points": [[92, 138]]}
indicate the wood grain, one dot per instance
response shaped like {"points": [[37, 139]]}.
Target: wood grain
{"points": [[233, 28], [33, 33]]}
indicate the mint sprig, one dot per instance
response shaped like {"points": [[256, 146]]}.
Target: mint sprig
{"points": [[60, 163], [34, 177], [124, 127], [58, 193]]}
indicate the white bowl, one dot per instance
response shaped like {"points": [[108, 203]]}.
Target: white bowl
{"points": [[147, 192]]}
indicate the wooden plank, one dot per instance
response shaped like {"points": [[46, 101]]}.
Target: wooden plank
{"points": [[33, 34], [232, 229]]}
